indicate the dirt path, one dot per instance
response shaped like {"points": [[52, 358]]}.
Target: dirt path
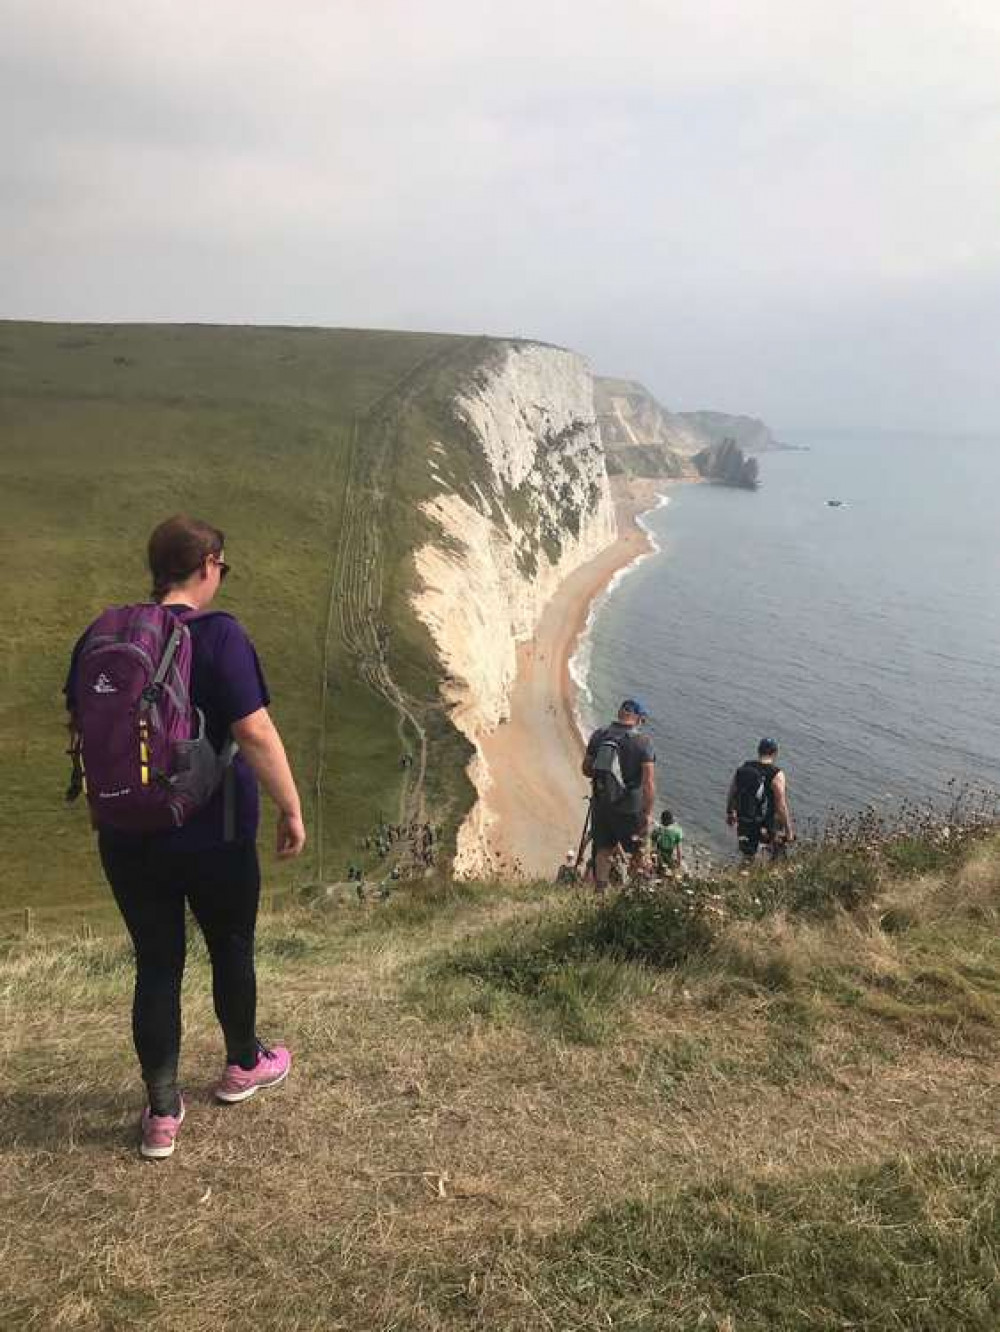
{"points": [[355, 611]]}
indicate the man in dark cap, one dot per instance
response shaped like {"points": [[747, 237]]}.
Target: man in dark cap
{"points": [[757, 804], [620, 764]]}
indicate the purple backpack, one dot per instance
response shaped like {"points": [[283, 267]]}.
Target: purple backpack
{"points": [[140, 752]]}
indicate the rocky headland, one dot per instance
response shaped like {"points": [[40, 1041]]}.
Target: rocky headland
{"points": [[748, 432], [641, 437]]}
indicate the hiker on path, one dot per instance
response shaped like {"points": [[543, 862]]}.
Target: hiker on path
{"points": [[176, 819], [757, 804], [566, 873], [620, 764], [667, 838]]}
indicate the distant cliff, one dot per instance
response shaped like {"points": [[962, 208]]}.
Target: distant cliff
{"points": [[751, 434], [640, 436], [727, 464]]}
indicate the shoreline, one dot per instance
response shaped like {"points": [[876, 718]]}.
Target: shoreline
{"points": [[632, 506], [534, 807]]}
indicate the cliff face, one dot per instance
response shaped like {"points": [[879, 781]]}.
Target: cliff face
{"points": [[527, 505], [641, 437]]}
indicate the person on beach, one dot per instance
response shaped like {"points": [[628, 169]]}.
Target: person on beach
{"points": [[757, 804], [667, 839], [209, 857], [620, 762]]}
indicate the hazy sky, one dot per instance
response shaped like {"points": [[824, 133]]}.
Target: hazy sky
{"points": [[777, 206]]}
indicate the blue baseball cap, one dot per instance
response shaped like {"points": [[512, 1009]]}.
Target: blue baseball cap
{"points": [[635, 706]]}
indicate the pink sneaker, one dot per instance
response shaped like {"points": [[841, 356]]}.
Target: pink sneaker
{"points": [[159, 1133], [240, 1083]]}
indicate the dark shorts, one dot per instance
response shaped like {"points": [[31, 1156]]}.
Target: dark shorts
{"points": [[752, 836], [612, 828]]}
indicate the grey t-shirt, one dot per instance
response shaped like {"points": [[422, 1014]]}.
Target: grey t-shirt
{"points": [[634, 747]]}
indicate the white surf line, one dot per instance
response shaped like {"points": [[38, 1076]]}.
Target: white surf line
{"points": [[581, 658]]}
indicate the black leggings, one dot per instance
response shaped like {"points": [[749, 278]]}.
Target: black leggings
{"points": [[222, 886]]}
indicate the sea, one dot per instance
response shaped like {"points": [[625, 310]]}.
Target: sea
{"points": [[864, 636]]}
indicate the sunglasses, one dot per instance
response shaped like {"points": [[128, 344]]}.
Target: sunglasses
{"points": [[221, 565]]}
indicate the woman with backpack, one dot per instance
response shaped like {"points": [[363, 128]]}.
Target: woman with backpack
{"points": [[170, 736]]}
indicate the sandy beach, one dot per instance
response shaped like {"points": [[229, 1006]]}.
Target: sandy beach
{"points": [[536, 804]]}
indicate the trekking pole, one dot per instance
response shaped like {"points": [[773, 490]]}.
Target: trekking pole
{"points": [[585, 835]]}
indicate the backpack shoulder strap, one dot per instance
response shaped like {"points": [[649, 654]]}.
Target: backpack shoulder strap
{"points": [[169, 652]]}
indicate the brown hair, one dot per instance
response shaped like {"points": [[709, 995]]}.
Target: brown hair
{"points": [[177, 549]]}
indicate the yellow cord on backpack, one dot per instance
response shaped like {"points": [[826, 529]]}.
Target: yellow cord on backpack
{"points": [[143, 755]]}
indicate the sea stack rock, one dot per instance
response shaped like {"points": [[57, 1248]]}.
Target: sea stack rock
{"points": [[726, 464]]}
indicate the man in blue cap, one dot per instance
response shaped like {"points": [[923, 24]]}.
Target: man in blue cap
{"points": [[620, 763]]}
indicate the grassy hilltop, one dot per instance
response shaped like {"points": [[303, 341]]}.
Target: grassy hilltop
{"points": [[746, 1103], [308, 447], [763, 1104]]}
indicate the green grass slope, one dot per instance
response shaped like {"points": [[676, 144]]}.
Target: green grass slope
{"points": [[308, 447], [754, 1104]]}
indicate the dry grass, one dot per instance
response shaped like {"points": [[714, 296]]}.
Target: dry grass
{"points": [[630, 1145]]}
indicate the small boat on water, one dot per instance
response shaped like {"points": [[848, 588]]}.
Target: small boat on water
{"points": [[835, 504]]}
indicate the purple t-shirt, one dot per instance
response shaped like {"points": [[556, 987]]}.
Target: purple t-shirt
{"points": [[227, 683]]}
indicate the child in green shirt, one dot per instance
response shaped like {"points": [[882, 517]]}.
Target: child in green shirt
{"points": [[667, 839]]}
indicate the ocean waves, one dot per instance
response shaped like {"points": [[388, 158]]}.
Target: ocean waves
{"points": [[861, 640]]}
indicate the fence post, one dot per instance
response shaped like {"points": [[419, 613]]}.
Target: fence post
{"points": [[29, 921]]}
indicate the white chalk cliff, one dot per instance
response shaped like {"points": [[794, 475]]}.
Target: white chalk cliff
{"points": [[538, 508]]}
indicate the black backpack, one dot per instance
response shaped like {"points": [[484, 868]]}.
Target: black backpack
{"points": [[607, 781], [753, 792]]}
